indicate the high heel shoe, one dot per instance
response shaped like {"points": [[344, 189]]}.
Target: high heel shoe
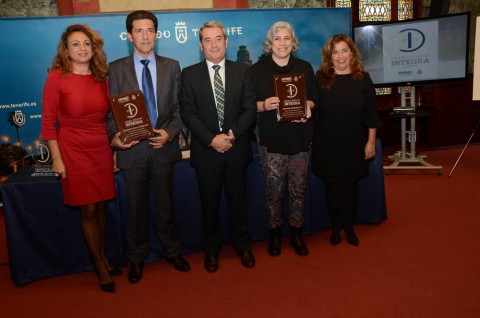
{"points": [[108, 287]]}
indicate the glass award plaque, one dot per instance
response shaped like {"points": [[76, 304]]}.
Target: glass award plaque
{"points": [[131, 117], [43, 170], [290, 88], [42, 166]]}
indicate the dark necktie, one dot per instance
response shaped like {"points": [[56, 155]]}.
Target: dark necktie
{"points": [[148, 92], [219, 94]]}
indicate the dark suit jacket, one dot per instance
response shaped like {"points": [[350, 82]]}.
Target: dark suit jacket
{"points": [[122, 79], [199, 113]]}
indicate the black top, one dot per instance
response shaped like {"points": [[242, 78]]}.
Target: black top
{"points": [[341, 123], [285, 138]]}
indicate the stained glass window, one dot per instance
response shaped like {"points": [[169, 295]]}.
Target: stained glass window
{"points": [[405, 9], [383, 91], [375, 10], [343, 4], [407, 89], [379, 10]]}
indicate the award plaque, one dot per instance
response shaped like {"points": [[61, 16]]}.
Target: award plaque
{"points": [[43, 170], [290, 88], [42, 166], [131, 117]]}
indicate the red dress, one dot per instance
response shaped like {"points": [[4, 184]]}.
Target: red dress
{"points": [[74, 113]]}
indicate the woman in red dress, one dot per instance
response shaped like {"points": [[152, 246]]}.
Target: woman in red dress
{"points": [[75, 105]]}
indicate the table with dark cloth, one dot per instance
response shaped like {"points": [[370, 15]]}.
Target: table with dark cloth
{"points": [[44, 236]]}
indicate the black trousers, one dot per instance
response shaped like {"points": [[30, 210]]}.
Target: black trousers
{"points": [[210, 183]]}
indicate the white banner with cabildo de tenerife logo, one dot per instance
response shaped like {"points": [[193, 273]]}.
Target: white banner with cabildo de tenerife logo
{"points": [[30, 44]]}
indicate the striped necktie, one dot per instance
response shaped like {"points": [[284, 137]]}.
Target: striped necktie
{"points": [[219, 93]]}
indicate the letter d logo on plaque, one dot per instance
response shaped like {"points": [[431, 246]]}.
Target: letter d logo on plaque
{"points": [[290, 88], [131, 117]]}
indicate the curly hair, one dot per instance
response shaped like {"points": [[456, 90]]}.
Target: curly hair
{"points": [[98, 62], [326, 72], [274, 29]]}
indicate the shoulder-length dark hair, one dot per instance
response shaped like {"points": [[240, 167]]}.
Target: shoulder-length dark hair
{"points": [[98, 62], [326, 72]]}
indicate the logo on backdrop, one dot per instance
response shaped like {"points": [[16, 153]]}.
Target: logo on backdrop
{"points": [[18, 118], [181, 32], [415, 40]]}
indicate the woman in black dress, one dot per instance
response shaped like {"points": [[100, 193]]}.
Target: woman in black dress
{"points": [[344, 131]]}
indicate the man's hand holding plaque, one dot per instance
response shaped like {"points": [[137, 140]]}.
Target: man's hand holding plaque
{"points": [[290, 89], [131, 117]]}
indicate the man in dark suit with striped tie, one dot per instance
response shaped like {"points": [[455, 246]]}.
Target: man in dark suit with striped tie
{"points": [[149, 162], [218, 105]]}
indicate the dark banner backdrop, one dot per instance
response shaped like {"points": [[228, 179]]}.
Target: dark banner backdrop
{"points": [[30, 44]]}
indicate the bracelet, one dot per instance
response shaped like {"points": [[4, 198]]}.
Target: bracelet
{"points": [[264, 107]]}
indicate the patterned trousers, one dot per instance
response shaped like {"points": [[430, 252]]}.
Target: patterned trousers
{"points": [[277, 169]]}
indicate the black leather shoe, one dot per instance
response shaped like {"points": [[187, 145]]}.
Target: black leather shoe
{"points": [[135, 273], [247, 259], [335, 237], [275, 242], [211, 264], [352, 238], [179, 262], [108, 287]]}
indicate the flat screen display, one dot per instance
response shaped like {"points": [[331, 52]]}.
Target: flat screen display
{"points": [[415, 51]]}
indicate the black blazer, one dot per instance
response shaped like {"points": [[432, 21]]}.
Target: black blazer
{"points": [[199, 113], [123, 79]]}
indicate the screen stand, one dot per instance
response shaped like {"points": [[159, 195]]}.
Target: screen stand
{"points": [[403, 159]]}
